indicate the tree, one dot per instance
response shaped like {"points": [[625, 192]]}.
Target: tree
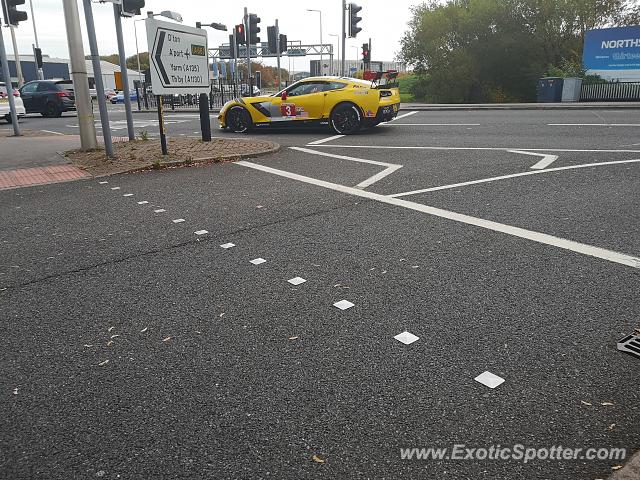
{"points": [[495, 50]]}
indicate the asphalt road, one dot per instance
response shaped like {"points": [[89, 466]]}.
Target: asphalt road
{"points": [[134, 347]]}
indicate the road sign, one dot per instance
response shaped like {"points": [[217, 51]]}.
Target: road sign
{"points": [[179, 58]]}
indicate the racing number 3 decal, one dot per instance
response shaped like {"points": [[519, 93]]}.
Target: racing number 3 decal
{"points": [[288, 110]]}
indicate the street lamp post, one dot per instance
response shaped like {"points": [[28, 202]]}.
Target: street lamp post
{"points": [[321, 62], [338, 52]]}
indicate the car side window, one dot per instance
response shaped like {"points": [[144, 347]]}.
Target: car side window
{"points": [[29, 88], [45, 87], [334, 86], [306, 88]]}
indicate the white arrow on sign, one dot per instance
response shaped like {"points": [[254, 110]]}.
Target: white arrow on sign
{"points": [[179, 58], [544, 163]]}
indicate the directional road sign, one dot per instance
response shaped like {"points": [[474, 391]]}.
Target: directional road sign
{"points": [[179, 58]]}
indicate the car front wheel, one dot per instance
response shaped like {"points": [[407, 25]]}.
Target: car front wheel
{"points": [[238, 120], [346, 119]]}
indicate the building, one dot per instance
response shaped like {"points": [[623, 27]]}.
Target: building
{"points": [[353, 66], [61, 68]]}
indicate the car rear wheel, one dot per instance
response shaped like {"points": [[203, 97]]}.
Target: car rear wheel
{"points": [[346, 119], [238, 120], [52, 110]]}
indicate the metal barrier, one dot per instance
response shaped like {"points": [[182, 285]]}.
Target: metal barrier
{"points": [[610, 92], [219, 93]]}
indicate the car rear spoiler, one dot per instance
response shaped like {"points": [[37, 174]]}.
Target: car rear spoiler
{"points": [[381, 80]]}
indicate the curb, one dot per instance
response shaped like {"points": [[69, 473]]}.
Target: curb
{"points": [[177, 110], [532, 106]]}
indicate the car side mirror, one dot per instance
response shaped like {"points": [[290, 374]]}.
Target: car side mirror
{"points": [[284, 96]]}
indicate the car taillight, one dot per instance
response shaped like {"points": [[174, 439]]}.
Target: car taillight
{"points": [[62, 94], [16, 93]]}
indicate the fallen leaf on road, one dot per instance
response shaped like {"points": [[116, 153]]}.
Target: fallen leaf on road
{"points": [[87, 345], [293, 338], [109, 343], [585, 403], [317, 459], [221, 315], [607, 404], [110, 328], [103, 363], [114, 336], [612, 426], [144, 329], [166, 339], [15, 391], [616, 467]]}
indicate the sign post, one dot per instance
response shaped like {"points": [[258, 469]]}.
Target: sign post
{"points": [[179, 63]]}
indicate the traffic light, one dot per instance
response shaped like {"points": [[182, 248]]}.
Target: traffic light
{"points": [[132, 7], [38, 54], [11, 15], [283, 43], [272, 39], [254, 29], [240, 37], [366, 53], [354, 19], [232, 47]]}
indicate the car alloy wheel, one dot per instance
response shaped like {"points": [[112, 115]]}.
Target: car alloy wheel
{"points": [[346, 119], [238, 120]]}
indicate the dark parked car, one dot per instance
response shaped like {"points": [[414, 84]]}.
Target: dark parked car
{"points": [[48, 97]]}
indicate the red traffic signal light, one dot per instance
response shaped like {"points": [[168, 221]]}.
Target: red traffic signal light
{"points": [[366, 53], [240, 37]]}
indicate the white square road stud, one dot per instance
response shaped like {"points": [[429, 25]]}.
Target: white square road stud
{"points": [[296, 281], [258, 261], [406, 337], [490, 380], [343, 304]]}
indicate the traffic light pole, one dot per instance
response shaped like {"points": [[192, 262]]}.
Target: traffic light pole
{"points": [[278, 55], [86, 123], [7, 83], [247, 35], [39, 72], [344, 37], [16, 56], [234, 72], [97, 76], [123, 72]]}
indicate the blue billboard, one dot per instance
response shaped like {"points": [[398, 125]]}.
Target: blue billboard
{"points": [[612, 49]]}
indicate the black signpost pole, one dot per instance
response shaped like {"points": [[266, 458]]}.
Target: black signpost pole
{"points": [[163, 136], [205, 122]]}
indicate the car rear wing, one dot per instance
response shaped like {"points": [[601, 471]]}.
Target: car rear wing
{"points": [[380, 80]]}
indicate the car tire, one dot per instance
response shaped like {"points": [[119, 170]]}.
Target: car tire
{"points": [[346, 119], [8, 118], [238, 120], [51, 110]]}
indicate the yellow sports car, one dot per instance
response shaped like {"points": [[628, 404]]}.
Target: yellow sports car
{"points": [[345, 104]]}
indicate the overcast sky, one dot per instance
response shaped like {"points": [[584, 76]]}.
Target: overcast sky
{"points": [[384, 22]]}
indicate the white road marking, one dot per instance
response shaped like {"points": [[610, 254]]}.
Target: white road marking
{"points": [[402, 116], [128, 195], [144, 202], [369, 181], [51, 131], [593, 124], [296, 281], [343, 304], [178, 220], [545, 162], [490, 380], [201, 232], [228, 245], [487, 149], [512, 175], [159, 210], [103, 183], [439, 124], [115, 188], [406, 337], [538, 237], [257, 261], [324, 140]]}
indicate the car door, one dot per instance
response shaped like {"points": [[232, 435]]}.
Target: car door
{"points": [[27, 93], [44, 94], [304, 101]]}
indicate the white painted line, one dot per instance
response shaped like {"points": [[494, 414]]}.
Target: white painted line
{"points": [[343, 304], [545, 162], [201, 232], [178, 220], [103, 183], [369, 181], [51, 131], [296, 281], [228, 245], [128, 195], [538, 237], [439, 124], [144, 202], [406, 337], [403, 116], [115, 188], [159, 210], [513, 175], [490, 380], [324, 140], [257, 261], [593, 124], [486, 149]]}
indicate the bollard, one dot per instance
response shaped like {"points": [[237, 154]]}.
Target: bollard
{"points": [[205, 122]]}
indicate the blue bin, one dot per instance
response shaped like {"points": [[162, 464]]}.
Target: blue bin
{"points": [[550, 89]]}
